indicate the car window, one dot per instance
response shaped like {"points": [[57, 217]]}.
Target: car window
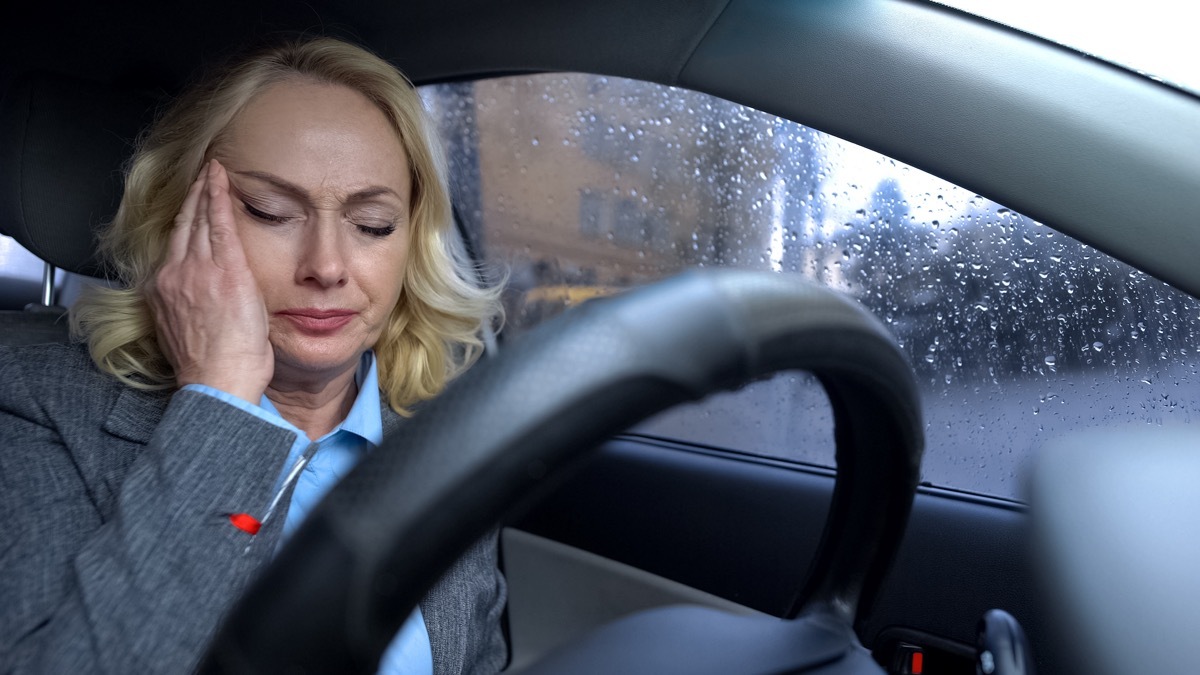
{"points": [[20, 275], [581, 185]]}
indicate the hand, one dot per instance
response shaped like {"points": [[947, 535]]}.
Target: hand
{"points": [[211, 319]]}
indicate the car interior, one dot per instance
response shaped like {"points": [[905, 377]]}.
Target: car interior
{"points": [[711, 556]]}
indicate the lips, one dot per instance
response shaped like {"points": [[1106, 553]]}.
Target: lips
{"points": [[318, 321]]}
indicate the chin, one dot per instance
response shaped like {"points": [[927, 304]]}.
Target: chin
{"points": [[318, 359]]}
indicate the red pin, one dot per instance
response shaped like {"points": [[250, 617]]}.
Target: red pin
{"points": [[245, 522]]}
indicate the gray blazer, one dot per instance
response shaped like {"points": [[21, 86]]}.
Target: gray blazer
{"points": [[116, 553]]}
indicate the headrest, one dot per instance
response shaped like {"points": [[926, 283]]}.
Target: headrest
{"points": [[63, 143]]}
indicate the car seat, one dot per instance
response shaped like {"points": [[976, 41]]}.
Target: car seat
{"points": [[63, 142]]}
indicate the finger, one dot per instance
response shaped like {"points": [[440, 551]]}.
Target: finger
{"points": [[180, 234], [198, 244], [226, 245]]}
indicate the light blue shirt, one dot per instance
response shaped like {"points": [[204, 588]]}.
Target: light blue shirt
{"points": [[316, 466]]}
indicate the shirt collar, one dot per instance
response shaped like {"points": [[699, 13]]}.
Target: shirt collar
{"points": [[364, 419]]}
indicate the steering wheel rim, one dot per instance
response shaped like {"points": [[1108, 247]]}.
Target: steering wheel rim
{"points": [[439, 484]]}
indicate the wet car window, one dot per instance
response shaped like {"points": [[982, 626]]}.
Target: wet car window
{"points": [[581, 185]]}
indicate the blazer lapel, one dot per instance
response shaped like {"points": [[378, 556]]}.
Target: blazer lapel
{"points": [[437, 607]]}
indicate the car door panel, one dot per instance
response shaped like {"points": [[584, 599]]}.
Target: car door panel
{"points": [[743, 529]]}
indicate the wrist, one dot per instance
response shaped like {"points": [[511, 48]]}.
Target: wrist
{"points": [[241, 388]]}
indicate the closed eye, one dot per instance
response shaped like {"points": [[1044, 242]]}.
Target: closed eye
{"points": [[263, 215], [372, 230], [377, 231]]}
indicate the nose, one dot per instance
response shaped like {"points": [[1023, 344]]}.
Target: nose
{"points": [[323, 254]]}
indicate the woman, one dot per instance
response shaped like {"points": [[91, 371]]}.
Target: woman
{"points": [[290, 292]]}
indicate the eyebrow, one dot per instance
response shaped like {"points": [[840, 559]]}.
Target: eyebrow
{"points": [[359, 196]]}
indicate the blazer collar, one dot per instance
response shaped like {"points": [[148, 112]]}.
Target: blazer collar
{"points": [[392, 419]]}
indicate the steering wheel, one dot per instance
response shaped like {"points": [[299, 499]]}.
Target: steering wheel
{"points": [[344, 583]]}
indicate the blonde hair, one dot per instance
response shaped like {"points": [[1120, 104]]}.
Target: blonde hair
{"points": [[433, 333]]}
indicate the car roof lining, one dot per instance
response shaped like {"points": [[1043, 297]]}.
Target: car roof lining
{"points": [[1105, 155]]}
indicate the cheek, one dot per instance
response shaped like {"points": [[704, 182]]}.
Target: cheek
{"points": [[399, 269], [265, 256], [386, 274]]}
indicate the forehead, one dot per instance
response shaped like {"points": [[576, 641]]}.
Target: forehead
{"points": [[319, 136]]}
